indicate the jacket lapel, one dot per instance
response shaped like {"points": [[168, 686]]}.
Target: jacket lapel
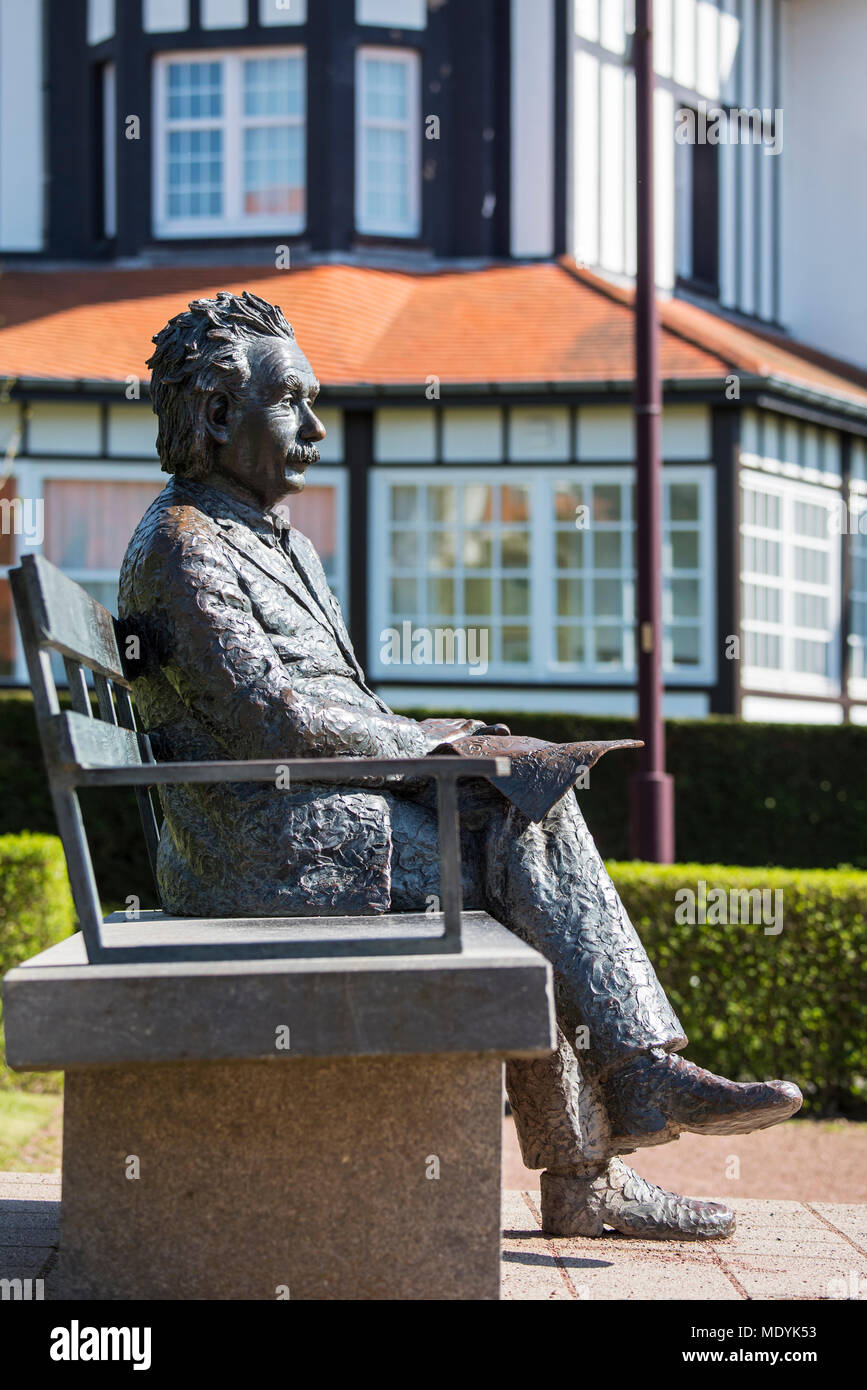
{"points": [[278, 568], [338, 627]]}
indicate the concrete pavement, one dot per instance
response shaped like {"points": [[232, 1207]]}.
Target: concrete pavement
{"points": [[781, 1250]]}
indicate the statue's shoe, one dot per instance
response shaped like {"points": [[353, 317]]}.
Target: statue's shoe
{"points": [[622, 1200], [649, 1101]]}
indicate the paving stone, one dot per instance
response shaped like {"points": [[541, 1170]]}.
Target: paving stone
{"points": [[850, 1219], [794, 1277]]}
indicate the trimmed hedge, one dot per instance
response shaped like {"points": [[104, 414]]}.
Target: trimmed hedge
{"points": [[757, 1005], [35, 907]]}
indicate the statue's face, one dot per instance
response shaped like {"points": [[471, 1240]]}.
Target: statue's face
{"points": [[268, 441]]}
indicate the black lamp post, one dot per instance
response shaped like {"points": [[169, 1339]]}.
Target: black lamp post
{"points": [[652, 789]]}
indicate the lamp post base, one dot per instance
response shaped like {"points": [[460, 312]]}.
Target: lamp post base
{"points": [[651, 806]]}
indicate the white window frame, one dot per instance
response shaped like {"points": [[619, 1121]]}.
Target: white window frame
{"points": [[785, 678], [31, 475], [232, 221], [857, 540], [411, 59], [543, 667]]}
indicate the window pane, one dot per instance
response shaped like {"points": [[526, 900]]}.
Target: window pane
{"points": [[567, 498], [441, 504], [515, 596], [570, 598], [194, 91], [684, 501], [441, 549], [763, 649], [314, 512], [686, 646], [811, 565], [607, 550], [515, 503], [609, 645], [386, 90], [685, 595], [762, 603], [404, 598], [607, 598], [477, 550], [570, 644], [404, 503], [478, 504], [811, 610], [570, 550], [811, 658], [441, 597], [516, 644], [811, 520], [386, 186], [762, 556], [88, 524], [515, 546], [274, 86], [274, 170], [684, 550], [404, 548], [195, 173], [607, 502], [478, 597]]}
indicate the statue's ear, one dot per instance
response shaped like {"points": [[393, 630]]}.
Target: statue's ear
{"points": [[216, 416]]}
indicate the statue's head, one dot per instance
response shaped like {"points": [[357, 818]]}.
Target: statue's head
{"points": [[234, 396]]}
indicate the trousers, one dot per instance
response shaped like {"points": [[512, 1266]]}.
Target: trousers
{"points": [[546, 882]]}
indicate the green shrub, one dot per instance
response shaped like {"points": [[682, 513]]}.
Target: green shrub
{"points": [[757, 1005], [35, 908]]}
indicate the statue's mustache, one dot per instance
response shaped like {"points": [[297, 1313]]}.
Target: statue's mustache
{"points": [[303, 453]]}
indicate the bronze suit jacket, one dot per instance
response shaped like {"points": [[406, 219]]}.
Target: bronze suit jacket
{"points": [[244, 654]]}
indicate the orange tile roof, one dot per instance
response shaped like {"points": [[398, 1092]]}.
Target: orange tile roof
{"points": [[522, 324]]}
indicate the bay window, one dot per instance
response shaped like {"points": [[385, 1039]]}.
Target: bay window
{"points": [[544, 565], [230, 142]]}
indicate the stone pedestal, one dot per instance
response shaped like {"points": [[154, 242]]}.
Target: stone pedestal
{"points": [[311, 1129]]}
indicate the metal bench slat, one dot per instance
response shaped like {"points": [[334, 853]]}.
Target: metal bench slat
{"points": [[90, 743], [70, 621]]}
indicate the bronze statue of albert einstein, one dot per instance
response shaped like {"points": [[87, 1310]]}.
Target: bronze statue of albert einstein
{"points": [[248, 657]]}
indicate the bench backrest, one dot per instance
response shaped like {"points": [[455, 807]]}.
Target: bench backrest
{"points": [[57, 615]]}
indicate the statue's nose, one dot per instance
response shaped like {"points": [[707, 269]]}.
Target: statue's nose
{"points": [[312, 427]]}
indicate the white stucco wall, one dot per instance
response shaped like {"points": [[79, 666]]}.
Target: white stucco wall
{"points": [[824, 282]]}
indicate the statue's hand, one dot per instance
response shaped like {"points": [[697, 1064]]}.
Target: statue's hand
{"points": [[447, 730], [450, 730]]}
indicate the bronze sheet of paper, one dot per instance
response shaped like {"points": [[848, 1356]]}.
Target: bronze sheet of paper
{"points": [[541, 772]]}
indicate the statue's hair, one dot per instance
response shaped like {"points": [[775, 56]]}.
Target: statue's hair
{"points": [[200, 351]]}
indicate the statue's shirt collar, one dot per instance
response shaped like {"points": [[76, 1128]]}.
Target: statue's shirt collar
{"points": [[221, 506]]}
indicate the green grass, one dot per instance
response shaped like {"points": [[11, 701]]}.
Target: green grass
{"points": [[30, 1131]]}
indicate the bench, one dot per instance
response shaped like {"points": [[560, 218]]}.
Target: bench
{"points": [[261, 1108]]}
